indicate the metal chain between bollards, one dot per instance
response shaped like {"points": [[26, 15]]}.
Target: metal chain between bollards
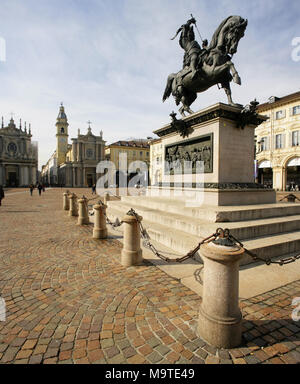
{"points": [[117, 222], [226, 235], [221, 237], [147, 243]]}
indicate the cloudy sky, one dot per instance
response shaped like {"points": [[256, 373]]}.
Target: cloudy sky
{"points": [[108, 60]]}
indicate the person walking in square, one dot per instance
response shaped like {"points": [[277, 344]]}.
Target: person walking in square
{"points": [[94, 189], [40, 188], [1, 194], [31, 189]]}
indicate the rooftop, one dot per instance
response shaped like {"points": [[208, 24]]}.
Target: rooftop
{"points": [[277, 101], [131, 143]]}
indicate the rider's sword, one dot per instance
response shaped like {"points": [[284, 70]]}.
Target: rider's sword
{"points": [[197, 28]]}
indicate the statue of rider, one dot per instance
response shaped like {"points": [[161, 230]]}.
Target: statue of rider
{"points": [[190, 45]]}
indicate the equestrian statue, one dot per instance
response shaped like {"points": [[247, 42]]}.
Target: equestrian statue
{"points": [[206, 66]]}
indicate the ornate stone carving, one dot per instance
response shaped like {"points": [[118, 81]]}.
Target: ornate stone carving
{"points": [[208, 116], [219, 186], [248, 115], [186, 156], [180, 126]]}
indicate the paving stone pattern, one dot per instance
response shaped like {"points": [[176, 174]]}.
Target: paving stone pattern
{"points": [[70, 301]]}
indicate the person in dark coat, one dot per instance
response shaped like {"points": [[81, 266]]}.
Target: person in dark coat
{"points": [[40, 188], [31, 189], [1, 194]]}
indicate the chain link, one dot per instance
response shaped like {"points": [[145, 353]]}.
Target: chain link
{"points": [[117, 222], [220, 234], [267, 261], [147, 243]]}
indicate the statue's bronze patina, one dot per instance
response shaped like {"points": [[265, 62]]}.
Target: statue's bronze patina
{"points": [[206, 66]]}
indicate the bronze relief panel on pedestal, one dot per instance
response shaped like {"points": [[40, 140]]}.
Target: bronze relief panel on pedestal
{"points": [[182, 157]]}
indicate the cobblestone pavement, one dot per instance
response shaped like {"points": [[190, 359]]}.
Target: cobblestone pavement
{"points": [[69, 300]]}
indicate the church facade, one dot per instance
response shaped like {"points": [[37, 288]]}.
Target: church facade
{"points": [[18, 156], [74, 165]]}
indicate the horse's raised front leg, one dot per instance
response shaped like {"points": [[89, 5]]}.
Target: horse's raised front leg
{"points": [[235, 75]]}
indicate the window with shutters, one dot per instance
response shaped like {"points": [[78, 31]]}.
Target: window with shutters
{"points": [[279, 141], [264, 144], [280, 115], [295, 138], [296, 110]]}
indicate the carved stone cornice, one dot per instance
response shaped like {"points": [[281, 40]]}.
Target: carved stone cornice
{"points": [[218, 186], [218, 111]]}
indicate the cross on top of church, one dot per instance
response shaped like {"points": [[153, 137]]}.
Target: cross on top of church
{"points": [[89, 123], [12, 115]]}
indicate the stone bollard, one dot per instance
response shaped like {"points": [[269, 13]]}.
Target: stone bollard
{"points": [[83, 218], [66, 202], [100, 230], [73, 211], [131, 252], [220, 318]]}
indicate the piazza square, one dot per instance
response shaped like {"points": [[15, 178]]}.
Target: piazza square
{"points": [[163, 235]]}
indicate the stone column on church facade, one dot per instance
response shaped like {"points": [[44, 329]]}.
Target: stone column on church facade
{"points": [[26, 175], [21, 176], [79, 157], [4, 175], [1, 175], [79, 152], [74, 150], [73, 177], [30, 181], [83, 176]]}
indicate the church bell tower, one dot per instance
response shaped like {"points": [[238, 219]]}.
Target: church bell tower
{"points": [[61, 136]]}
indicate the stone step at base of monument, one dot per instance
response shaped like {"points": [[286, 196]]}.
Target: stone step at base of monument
{"points": [[265, 247], [215, 214], [241, 230]]}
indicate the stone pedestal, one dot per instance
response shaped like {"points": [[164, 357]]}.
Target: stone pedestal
{"points": [[73, 211], [100, 230], [66, 202], [226, 151], [83, 218], [131, 253], [220, 318]]}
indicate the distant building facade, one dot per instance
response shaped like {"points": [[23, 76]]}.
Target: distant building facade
{"points": [[18, 156], [49, 174], [156, 161], [74, 165], [132, 151], [278, 143]]}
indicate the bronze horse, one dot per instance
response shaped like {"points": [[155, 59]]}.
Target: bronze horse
{"points": [[215, 68]]}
